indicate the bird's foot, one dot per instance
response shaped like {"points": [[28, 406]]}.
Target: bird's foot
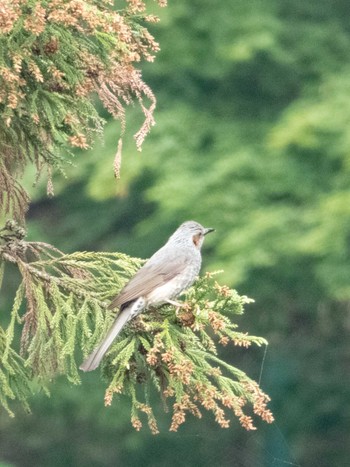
{"points": [[177, 304], [138, 324]]}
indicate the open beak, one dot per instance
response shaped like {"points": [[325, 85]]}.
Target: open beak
{"points": [[206, 231]]}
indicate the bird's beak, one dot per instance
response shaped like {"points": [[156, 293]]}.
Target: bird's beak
{"points": [[206, 231]]}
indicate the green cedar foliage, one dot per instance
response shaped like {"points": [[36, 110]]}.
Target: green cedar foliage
{"points": [[55, 58]]}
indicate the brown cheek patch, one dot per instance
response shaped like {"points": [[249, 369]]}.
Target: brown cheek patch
{"points": [[196, 239]]}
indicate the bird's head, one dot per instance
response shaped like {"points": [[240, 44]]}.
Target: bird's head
{"points": [[191, 231]]}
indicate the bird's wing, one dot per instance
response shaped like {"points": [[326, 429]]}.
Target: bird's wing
{"points": [[149, 277]]}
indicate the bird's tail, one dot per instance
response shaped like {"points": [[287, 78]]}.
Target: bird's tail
{"points": [[94, 359]]}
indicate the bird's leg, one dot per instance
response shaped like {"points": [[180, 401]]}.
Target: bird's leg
{"points": [[177, 304], [138, 324]]}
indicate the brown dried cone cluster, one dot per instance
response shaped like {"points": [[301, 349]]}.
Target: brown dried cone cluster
{"points": [[55, 56], [178, 354]]}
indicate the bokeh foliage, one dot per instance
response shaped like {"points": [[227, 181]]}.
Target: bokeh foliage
{"points": [[251, 138]]}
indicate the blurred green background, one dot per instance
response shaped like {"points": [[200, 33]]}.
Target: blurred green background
{"points": [[252, 138]]}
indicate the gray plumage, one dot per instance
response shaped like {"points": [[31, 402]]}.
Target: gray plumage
{"points": [[168, 273]]}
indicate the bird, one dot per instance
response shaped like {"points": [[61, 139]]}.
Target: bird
{"points": [[169, 272]]}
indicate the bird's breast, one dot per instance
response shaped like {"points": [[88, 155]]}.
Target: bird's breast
{"points": [[173, 287]]}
